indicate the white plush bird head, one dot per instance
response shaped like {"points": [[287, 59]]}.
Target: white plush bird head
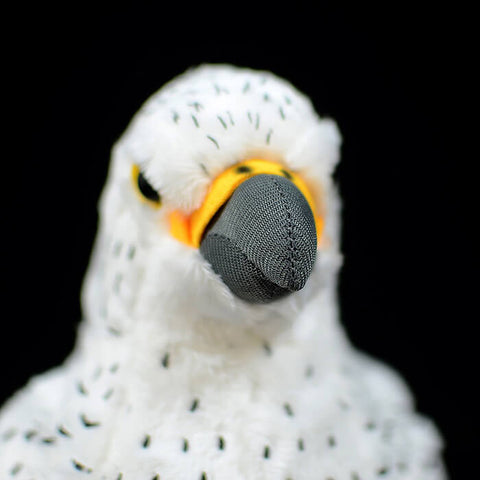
{"points": [[190, 159], [211, 346]]}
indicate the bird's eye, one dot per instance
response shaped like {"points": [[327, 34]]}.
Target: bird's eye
{"points": [[144, 188]]}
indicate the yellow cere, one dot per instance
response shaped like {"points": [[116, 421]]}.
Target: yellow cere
{"points": [[189, 229]]}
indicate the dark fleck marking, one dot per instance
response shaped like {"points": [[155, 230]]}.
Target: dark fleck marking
{"points": [[88, 423], [114, 331], [131, 252], [204, 169], [197, 106], [29, 434], [266, 452], [230, 118], [282, 113], [117, 248], [301, 444], [243, 169], [221, 443], [286, 174], [219, 90], [120, 476], [257, 121], [108, 394], [194, 405], [175, 117], [387, 432], [288, 409], [263, 80], [156, 477], [80, 467], [204, 476], [267, 348], [48, 440], [269, 136], [146, 441], [355, 476], [266, 97], [370, 426], [222, 121], [185, 445], [246, 87], [114, 368], [9, 434], [214, 141], [166, 360], [117, 282], [309, 371], [382, 471], [249, 115], [15, 469], [63, 431], [195, 121], [287, 100], [331, 441], [97, 373]]}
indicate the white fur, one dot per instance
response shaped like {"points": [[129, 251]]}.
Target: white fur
{"points": [[162, 334]]}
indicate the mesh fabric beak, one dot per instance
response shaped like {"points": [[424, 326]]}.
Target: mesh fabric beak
{"points": [[263, 242]]}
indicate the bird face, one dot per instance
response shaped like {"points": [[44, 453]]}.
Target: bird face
{"points": [[221, 185]]}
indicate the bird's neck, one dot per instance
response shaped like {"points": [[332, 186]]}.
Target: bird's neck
{"points": [[210, 349]]}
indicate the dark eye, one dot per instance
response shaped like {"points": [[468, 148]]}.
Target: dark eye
{"points": [[144, 188]]}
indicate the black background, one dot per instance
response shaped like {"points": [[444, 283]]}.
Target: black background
{"points": [[398, 82]]}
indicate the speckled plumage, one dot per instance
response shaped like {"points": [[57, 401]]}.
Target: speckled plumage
{"points": [[173, 377]]}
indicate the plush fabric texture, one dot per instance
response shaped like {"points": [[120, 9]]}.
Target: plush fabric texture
{"points": [[174, 377], [263, 243]]}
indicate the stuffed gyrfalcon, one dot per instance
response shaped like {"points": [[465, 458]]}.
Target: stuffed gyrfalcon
{"points": [[211, 347]]}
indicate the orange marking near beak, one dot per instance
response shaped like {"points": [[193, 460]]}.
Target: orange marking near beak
{"points": [[180, 227], [189, 228]]}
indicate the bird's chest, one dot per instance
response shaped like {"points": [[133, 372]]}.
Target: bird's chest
{"points": [[255, 416], [274, 412]]}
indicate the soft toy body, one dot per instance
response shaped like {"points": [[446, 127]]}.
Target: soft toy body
{"points": [[211, 347]]}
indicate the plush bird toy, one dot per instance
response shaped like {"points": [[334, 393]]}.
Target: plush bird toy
{"points": [[211, 347]]}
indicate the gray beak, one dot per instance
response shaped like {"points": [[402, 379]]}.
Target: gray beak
{"points": [[263, 241]]}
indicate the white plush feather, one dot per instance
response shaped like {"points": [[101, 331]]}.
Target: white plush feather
{"points": [[173, 377]]}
